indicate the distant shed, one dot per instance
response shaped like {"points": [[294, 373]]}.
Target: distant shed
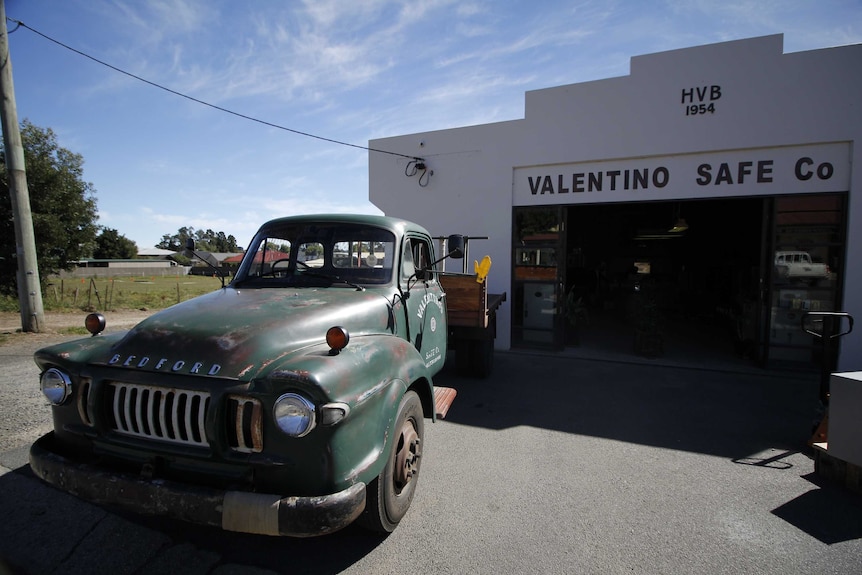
{"points": [[130, 267]]}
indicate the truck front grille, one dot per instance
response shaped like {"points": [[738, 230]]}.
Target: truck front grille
{"points": [[170, 415], [246, 434]]}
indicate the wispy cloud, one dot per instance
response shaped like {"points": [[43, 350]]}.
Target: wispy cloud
{"points": [[349, 71]]}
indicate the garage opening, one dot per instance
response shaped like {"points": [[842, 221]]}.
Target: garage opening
{"points": [[667, 278], [695, 280]]}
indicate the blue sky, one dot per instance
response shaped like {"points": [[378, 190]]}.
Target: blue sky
{"points": [[348, 70]]}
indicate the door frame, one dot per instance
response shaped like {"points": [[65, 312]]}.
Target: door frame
{"points": [[538, 266]]}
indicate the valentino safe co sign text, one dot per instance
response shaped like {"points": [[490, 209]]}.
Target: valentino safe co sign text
{"points": [[765, 171]]}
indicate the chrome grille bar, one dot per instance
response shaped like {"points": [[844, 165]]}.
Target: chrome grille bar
{"points": [[246, 436], [83, 402], [171, 415]]}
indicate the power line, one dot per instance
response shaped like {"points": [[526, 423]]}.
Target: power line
{"points": [[19, 24]]}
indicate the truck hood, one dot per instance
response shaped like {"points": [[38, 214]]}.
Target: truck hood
{"points": [[237, 333]]}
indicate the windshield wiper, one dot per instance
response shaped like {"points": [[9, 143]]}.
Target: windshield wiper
{"points": [[350, 283]]}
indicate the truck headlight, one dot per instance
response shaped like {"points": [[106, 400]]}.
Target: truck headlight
{"points": [[56, 386], [294, 414]]}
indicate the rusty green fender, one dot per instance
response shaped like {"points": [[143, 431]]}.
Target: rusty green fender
{"points": [[365, 377]]}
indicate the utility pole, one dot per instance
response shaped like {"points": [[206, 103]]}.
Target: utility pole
{"points": [[29, 287]]}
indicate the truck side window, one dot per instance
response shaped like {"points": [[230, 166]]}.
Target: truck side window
{"points": [[417, 257], [408, 268], [421, 255]]}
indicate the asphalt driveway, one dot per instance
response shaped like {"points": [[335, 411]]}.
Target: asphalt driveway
{"points": [[552, 465]]}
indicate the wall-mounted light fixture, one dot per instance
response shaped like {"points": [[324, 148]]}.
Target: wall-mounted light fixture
{"points": [[415, 166]]}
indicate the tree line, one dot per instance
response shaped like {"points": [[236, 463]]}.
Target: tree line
{"points": [[205, 241], [63, 207]]}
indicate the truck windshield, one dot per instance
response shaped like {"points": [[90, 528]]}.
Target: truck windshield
{"points": [[318, 254]]}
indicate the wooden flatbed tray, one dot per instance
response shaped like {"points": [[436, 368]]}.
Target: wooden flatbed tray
{"points": [[466, 300]]}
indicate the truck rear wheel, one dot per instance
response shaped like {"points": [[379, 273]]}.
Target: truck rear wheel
{"points": [[481, 357], [389, 495], [463, 353]]}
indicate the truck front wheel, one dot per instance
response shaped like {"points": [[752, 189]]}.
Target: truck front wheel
{"points": [[389, 495]]}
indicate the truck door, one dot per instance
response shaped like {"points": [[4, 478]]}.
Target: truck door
{"points": [[425, 302]]}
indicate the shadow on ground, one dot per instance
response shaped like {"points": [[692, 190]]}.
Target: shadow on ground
{"points": [[727, 414], [829, 514], [91, 539]]}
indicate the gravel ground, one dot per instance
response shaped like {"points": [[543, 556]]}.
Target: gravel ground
{"points": [[25, 413], [59, 324]]}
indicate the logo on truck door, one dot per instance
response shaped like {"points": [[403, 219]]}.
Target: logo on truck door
{"points": [[432, 356], [429, 298], [420, 276]]}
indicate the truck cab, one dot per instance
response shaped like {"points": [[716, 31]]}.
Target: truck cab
{"points": [[290, 402]]}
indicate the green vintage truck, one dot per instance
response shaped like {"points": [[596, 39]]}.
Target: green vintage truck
{"points": [[290, 402]]}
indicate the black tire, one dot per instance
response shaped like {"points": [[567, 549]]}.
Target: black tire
{"points": [[481, 357], [462, 357], [389, 495]]}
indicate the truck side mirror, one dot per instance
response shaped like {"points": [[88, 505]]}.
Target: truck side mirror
{"points": [[455, 243]]}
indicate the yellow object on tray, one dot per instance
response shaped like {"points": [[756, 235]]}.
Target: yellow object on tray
{"points": [[482, 268]]}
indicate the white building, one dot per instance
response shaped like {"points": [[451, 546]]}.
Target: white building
{"points": [[751, 148]]}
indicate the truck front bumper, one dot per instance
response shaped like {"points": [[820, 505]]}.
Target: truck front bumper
{"points": [[246, 512]]}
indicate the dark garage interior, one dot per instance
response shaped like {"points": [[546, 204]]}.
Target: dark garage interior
{"points": [[691, 267]]}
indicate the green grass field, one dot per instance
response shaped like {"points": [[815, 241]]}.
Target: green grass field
{"points": [[149, 292]]}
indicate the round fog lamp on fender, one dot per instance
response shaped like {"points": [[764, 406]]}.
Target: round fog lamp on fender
{"points": [[95, 323], [337, 339], [56, 386], [294, 414]]}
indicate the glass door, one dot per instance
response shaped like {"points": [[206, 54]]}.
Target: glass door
{"points": [[537, 251], [805, 274]]}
